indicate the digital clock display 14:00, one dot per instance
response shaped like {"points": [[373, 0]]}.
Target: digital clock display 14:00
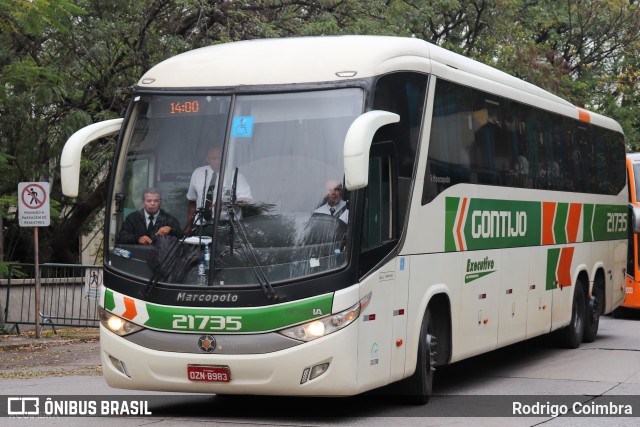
{"points": [[185, 107]]}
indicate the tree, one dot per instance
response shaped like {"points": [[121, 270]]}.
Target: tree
{"points": [[67, 63]]}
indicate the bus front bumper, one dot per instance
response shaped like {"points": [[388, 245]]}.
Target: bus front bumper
{"points": [[286, 372]]}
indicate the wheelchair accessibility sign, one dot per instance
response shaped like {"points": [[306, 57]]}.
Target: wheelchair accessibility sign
{"points": [[33, 204], [242, 127]]}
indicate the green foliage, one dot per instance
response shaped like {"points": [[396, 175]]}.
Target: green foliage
{"points": [[68, 63]]}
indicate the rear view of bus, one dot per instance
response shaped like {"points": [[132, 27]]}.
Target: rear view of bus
{"points": [[632, 299]]}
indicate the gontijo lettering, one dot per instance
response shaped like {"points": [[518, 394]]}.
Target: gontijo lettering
{"points": [[474, 223], [488, 224]]}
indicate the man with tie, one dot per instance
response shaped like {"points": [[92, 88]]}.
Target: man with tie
{"points": [[203, 190], [334, 205], [144, 226]]}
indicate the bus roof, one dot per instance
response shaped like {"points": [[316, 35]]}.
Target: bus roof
{"points": [[299, 60]]}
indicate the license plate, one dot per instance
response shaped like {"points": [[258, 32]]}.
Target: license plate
{"points": [[219, 374]]}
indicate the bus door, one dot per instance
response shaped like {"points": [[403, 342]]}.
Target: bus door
{"points": [[539, 293], [514, 289], [384, 326]]}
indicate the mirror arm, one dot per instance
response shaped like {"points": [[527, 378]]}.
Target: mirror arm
{"points": [[357, 145], [71, 153]]}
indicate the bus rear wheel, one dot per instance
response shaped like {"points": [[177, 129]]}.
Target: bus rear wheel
{"points": [[594, 309], [571, 335], [418, 387]]}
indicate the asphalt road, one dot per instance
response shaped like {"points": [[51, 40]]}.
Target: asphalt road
{"points": [[534, 371]]}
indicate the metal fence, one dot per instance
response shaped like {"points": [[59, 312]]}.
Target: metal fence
{"points": [[69, 295]]}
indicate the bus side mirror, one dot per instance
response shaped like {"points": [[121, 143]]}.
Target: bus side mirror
{"points": [[70, 158], [357, 144], [634, 220]]}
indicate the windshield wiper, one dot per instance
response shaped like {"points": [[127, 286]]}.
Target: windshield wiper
{"points": [[249, 250], [168, 259]]}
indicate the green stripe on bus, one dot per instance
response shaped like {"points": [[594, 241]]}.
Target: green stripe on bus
{"points": [[587, 218], [553, 257], [495, 224], [610, 222], [502, 224], [451, 207], [109, 302], [560, 223], [240, 320]]}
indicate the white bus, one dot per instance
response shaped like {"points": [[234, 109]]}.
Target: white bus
{"points": [[482, 211]]}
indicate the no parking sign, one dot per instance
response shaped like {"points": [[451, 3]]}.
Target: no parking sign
{"points": [[33, 204]]}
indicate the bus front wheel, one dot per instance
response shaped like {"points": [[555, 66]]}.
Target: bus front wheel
{"points": [[420, 384]]}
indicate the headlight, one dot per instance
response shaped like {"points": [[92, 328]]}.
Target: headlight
{"points": [[117, 324], [327, 325]]}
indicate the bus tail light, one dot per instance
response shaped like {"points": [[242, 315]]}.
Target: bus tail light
{"points": [[327, 325]]}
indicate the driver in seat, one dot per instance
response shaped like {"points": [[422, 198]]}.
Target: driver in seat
{"points": [[334, 205]]}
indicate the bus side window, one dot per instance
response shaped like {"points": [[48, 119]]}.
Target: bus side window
{"points": [[452, 148]]}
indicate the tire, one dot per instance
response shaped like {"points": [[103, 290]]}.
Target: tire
{"points": [[418, 387], [571, 335], [594, 309]]}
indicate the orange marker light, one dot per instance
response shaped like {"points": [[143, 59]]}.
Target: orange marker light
{"points": [[398, 342]]}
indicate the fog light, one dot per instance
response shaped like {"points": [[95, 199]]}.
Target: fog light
{"points": [[318, 370], [119, 365]]}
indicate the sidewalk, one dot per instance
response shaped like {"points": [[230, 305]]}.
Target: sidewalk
{"points": [[72, 351]]}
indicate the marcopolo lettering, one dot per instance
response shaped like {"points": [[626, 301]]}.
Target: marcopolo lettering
{"points": [[199, 297], [493, 224]]}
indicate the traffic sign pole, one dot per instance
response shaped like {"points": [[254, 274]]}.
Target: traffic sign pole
{"points": [[34, 211], [37, 274]]}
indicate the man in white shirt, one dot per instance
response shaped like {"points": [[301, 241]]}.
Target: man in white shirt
{"points": [[203, 188], [334, 205]]}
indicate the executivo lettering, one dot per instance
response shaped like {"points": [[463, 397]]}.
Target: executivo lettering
{"points": [[478, 269]]}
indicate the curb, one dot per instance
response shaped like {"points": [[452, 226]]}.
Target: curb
{"points": [[11, 344]]}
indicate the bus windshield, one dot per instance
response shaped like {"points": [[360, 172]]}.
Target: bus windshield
{"points": [[246, 189]]}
